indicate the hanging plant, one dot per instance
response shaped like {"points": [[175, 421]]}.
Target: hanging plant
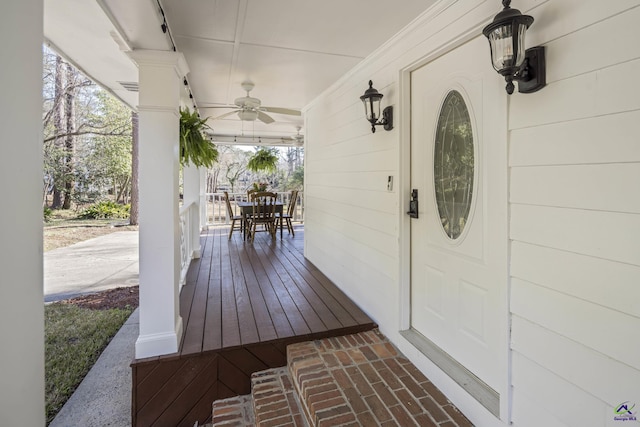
{"points": [[263, 160], [195, 148]]}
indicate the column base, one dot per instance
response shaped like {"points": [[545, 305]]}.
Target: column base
{"points": [[159, 344]]}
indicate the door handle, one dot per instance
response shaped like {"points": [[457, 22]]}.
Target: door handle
{"points": [[413, 204]]}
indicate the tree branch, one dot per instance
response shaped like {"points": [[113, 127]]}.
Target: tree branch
{"points": [[88, 132]]}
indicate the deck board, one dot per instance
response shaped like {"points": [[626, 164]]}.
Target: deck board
{"points": [[242, 304], [305, 306], [213, 315]]}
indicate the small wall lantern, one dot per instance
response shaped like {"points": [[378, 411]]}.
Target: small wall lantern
{"points": [[371, 100], [508, 56]]}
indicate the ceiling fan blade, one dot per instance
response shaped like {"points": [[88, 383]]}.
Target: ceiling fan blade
{"points": [[225, 115], [215, 105], [265, 118], [278, 110]]}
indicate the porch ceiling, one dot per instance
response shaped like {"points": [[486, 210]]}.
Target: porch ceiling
{"points": [[292, 50]]}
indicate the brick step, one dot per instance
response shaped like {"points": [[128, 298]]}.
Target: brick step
{"points": [[354, 380], [274, 399], [272, 403], [233, 412], [362, 380]]}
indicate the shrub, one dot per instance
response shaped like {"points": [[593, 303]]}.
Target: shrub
{"points": [[47, 214], [105, 210]]}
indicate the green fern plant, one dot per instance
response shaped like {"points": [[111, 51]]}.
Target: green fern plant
{"points": [[263, 160], [194, 147]]}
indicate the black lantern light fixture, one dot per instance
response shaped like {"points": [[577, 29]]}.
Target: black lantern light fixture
{"points": [[508, 55], [371, 100]]}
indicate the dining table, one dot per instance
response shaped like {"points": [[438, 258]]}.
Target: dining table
{"points": [[246, 209]]}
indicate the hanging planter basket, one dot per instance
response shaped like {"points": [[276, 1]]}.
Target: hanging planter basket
{"points": [[263, 160], [195, 148]]}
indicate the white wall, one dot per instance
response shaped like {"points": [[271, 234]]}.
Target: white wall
{"points": [[574, 149], [575, 223], [21, 282]]}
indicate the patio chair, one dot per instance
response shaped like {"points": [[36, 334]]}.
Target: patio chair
{"points": [[263, 213], [288, 216], [232, 217]]}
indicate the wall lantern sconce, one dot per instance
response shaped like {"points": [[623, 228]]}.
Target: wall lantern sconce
{"points": [[371, 100], [508, 55]]}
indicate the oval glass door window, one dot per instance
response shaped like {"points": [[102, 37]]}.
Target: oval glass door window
{"points": [[453, 164]]}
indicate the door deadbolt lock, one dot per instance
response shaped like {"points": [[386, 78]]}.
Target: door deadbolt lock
{"points": [[413, 204]]}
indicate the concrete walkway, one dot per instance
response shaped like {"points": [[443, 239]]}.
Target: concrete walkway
{"points": [[104, 396], [94, 265]]}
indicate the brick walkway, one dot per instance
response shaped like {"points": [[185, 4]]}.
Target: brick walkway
{"points": [[354, 380]]}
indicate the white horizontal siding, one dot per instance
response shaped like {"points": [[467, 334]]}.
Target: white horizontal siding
{"points": [[603, 29], [585, 141], [553, 395], [361, 162], [361, 230], [604, 330], [605, 187], [378, 204], [354, 180], [606, 91], [367, 272], [591, 371], [359, 264], [608, 235], [574, 220], [529, 413], [608, 283], [575, 226]]}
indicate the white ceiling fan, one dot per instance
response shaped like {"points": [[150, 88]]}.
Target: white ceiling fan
{"points": [[249, 109], [297, 139]]}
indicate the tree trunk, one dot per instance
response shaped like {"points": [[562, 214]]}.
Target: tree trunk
{"points": [[133, 214], [69, 143], [212, 181], [56, 203], [122, 191]]}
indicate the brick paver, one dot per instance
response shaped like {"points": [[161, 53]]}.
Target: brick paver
{"points": [[369, 378], [354, 380], [274, 401], [233, 412]]}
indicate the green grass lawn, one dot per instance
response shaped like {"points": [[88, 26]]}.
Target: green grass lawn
{"points": [[74, 339]]}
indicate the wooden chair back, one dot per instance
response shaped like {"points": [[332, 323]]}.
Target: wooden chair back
{"points": [[228, 203], [292, 203], [264, 207]]}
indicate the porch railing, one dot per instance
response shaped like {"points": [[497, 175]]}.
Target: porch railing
{"points": [[188, 217], [217, 210]]}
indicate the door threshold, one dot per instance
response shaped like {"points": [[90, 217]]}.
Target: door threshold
{"points": [[478, 389]]}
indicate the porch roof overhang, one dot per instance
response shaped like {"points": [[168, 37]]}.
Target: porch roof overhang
{"points": [[291, 50]]}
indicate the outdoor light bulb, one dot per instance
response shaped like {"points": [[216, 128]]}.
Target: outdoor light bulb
{"points": [[502, 51], [373, 109]]}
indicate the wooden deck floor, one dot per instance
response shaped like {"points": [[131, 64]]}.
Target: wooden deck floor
{"points": [[242, 304]]}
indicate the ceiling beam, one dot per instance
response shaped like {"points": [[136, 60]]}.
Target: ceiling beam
{"points": [[262, 141]]}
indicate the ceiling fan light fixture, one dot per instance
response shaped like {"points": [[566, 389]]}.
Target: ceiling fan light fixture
{"points": [[250, 109], [248, 115], [247, 101]]}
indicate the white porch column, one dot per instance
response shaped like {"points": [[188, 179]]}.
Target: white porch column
{"points": [[191, 183], [21, 282], [161, 75]]}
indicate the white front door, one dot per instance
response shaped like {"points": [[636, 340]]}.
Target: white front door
{"points": [[459, 240]]}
